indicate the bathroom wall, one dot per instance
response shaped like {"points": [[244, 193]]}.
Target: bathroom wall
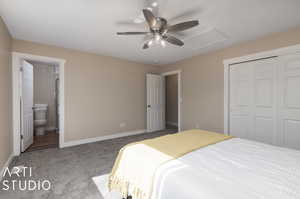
{"points": [[172, 99], [44, 89]]}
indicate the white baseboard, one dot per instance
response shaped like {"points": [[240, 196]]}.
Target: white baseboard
{"points": [[172, 123], [107, 137], [7, 163]]}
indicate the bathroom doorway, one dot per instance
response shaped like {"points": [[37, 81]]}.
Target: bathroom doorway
{"points": [[38, 102], [39, 105]]}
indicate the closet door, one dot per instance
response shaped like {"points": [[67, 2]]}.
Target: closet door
{"points": [[265, 100], [289, 101], [253, 100], [241, 93]]}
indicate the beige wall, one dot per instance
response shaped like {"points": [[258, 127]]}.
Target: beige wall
{"points": [[100, 92], [44, 89], [203, 81], [172, 99], [5, 94]]}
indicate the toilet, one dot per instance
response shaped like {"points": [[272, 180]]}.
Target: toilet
{"points": [[40, 118]]}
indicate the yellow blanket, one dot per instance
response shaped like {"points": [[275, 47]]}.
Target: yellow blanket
{"points": [[136, 163]]}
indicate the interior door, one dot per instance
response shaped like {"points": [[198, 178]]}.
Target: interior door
{"points": [[27, 106], [265, 101], [253, 100], [289, 101], [241, 102], [155, 103]]}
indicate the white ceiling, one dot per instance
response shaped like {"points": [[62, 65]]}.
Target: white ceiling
{"points": [[91, 25]]}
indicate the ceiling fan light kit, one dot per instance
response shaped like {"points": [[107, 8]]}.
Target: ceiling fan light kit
{"points": [[154, 4], [160, 29]]}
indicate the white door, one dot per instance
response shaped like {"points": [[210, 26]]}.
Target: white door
{"points": [[155, 103], [289, 101], [241, 81], [27, 105], [253, 100], [265, 101]]}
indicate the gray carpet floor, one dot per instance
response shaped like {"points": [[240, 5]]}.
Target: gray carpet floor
{"points": [[70, 170]]}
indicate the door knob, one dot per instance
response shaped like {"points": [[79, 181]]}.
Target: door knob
{"points": [[149, 106]]}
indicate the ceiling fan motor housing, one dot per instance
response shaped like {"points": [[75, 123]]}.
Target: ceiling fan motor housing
{"points": [[160, 25]]}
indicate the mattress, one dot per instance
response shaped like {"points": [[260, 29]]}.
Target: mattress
{"points": [[136, 164], [232, 169]]}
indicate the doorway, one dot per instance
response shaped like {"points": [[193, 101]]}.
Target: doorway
{"points": [[162, 110], [39, 105], [38, 102], [171, 90]]}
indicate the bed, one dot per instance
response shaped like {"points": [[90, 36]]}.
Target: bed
{"points": [[227, 168]]}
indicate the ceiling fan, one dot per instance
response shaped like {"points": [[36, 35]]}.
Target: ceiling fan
{"points": [[159, 29]]}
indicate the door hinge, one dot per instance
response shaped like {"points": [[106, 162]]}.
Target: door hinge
{"points": [[22, 137]]}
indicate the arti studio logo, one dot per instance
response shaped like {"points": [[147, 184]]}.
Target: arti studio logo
{"points": [[19, 178]]}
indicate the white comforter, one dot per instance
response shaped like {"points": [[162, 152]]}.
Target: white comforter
{"points": [[232, 169]]}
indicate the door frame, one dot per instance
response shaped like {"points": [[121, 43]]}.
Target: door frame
{"points": [[16, 95], [252, 57], [178, 73]]}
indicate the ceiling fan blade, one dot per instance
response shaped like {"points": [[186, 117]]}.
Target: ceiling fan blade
{"points": [[183, 26], [150, 18], [132, 33], [173, 40]]}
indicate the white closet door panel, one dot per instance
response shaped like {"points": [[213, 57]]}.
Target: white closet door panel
{"points": [[289, 101], [252, 101], [292, 97], [291, 134], [240, 126], [264, 130], [240, 101], [264, 104]]}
